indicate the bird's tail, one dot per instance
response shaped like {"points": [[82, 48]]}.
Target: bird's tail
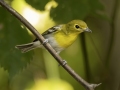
{"points": [[26, 47]]}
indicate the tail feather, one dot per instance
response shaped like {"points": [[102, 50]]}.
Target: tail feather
{"points": [[26, 47]]}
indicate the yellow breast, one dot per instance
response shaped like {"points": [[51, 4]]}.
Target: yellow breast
{"points": [[65, 40]]}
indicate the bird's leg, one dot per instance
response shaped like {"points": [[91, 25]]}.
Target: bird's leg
{"points": [[45, 41], [64, 62]]}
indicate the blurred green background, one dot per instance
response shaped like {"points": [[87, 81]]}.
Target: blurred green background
{"points": [[94, 56]]}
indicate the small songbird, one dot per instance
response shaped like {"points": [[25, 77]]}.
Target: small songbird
{"points": [[59, 37]]}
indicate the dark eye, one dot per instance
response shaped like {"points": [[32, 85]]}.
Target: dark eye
{"points": [[77, 26]]}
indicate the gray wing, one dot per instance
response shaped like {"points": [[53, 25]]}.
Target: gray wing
{"points": [[50, 31]]}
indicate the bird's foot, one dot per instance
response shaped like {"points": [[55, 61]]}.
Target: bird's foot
{"points": [[64, 62], [45, 41]]}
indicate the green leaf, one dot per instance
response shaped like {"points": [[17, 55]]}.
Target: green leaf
{"points": [[11, 33], [97, 10], [68, 10], [96, 5], [38, 4], [75, 9]]}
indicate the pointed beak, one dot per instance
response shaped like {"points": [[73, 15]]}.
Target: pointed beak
{"points": [[88, 30]]}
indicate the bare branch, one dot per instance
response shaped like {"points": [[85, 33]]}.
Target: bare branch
{"points": [[48, 47]]}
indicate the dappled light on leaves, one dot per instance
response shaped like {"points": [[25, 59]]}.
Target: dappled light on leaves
{"points": [[39, 19], [10, 35]]}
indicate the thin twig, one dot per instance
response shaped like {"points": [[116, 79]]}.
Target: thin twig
{"points": [[48, 47]]}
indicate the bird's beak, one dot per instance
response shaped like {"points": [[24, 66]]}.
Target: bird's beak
{"points": [[88, 30]]}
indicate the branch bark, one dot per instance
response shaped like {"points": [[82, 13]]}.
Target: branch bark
{"points": [[85, 84]]}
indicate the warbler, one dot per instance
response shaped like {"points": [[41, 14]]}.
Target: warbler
{"points": [[59, 37]]}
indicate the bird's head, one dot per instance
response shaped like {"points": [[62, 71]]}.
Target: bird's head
{"points": [[77, 26]]}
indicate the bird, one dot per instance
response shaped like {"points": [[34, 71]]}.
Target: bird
{"points": [[59, 37]]}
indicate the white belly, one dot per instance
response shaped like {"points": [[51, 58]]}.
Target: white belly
{"points": [[54, 44]]}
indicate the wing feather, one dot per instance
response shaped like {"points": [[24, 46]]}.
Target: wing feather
{"points": [[51, 31]]}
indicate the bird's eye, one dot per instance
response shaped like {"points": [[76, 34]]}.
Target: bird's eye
{"points": [[77, 26]]}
